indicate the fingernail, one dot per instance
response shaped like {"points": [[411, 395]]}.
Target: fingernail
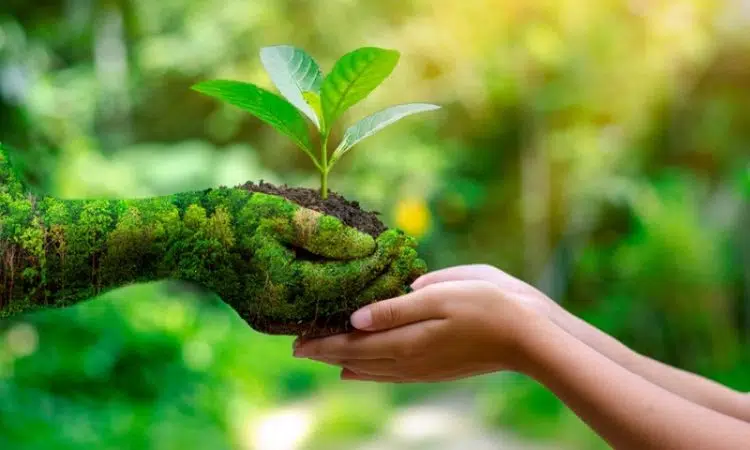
{"points": [[362, 319]]}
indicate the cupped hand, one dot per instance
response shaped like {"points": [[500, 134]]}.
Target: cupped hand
{"points": [[512, 287], [443, 331], [310, 271]]}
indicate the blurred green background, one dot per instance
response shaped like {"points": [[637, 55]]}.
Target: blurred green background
{"points": [[598, 149]]}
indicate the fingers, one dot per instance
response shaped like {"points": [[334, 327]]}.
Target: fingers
{"points": [[341, 287], [350, 375], [359, 281], [428, 303], [391, 344], [315, 232], [328, 237], [382, 275], [410, 308], [380, 367], [342, 346], [457, 273], [395, 280]]}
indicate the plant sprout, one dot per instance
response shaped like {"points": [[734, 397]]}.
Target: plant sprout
{"points": [[321, 99]]}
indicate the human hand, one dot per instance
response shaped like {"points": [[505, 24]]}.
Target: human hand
{"points": [[311, 272], [444, 331], [511, 286]]}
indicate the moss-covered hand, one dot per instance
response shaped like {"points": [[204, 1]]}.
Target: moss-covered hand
{"points": [[285, 269]]}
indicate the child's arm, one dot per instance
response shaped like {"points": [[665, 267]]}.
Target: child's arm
{"points": [[454, 329], [690, 386], [623, 408]]}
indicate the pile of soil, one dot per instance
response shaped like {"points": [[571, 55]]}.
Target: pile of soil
{"points": [[349, 212]]}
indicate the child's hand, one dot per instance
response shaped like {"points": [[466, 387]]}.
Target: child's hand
{"points": [[511, 286], [444, 331]]}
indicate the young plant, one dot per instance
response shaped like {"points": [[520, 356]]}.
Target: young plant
{"points": [[321, 99]]}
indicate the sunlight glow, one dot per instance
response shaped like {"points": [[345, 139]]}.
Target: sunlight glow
{"points": [[22, 340], [427, 423], [284, 430]]}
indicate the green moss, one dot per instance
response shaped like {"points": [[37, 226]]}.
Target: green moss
{"points": [[337, 241], [283, 268]]}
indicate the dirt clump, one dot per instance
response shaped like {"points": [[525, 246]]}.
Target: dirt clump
{"points": [[348, 212]]}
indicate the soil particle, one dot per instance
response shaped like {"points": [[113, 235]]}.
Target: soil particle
{"points": [[349, 212]]}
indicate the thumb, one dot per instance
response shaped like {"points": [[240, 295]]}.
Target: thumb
{"points": [[327, 236], [397, 312]]}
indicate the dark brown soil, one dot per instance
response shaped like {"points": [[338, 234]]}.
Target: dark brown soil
{"points": [[349, 212], [337, 324]]}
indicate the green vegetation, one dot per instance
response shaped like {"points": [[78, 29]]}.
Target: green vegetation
{"points": [[323, 100], [243, 246], [599, 152], [152, 366]]}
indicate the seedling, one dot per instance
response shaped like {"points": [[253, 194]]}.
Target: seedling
{"points": [[321, 99]]}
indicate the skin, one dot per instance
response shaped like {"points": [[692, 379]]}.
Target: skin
{"points": [[471, 320], [283, 268]]}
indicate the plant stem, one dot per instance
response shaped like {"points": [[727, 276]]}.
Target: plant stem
{"points": [[324, 167]]}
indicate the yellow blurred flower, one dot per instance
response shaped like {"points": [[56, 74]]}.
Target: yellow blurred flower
{"points": [[413, 216]]}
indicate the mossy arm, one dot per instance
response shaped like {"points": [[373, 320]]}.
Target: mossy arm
{"points": [[283, 268]]}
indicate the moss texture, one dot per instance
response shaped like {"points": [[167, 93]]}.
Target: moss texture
{"points": [[283, 268]]}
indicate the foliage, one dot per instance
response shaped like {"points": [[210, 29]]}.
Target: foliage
{"points": [[337, 424], [570, 131], [322, 99], [119, 376]]}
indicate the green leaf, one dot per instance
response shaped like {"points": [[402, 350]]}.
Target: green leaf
{"points": [[353, 78], [313, 100], [376, 122], [266, 106], [293, 72]]}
